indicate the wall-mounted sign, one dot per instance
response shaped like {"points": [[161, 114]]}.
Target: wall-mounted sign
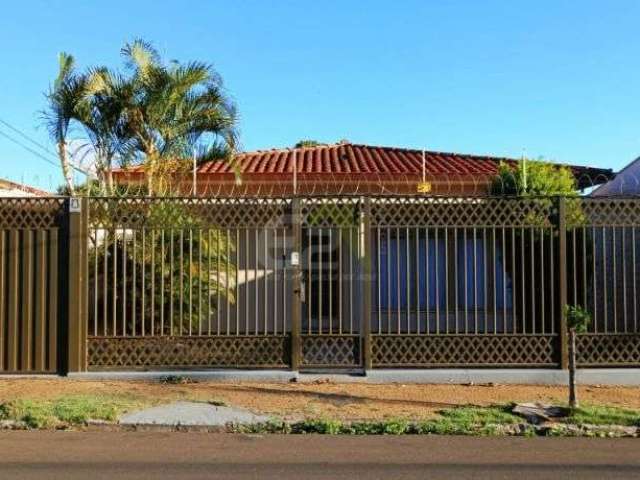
{"points": [[295, 259], [424, 187], [74, 205]]}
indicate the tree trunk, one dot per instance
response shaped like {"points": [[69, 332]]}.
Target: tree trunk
{"points": [[66, 167], [573, 394]]}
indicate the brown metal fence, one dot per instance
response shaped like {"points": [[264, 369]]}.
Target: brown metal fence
{"points": [[316, 282], [30, 256]]}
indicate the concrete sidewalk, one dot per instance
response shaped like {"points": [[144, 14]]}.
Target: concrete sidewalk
{"points": [[504, 376]]}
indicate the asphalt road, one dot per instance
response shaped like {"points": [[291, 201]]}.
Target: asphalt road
{"points": [[160, 455]]}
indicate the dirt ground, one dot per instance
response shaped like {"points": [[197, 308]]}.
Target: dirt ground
{"points": [[320, 400]]}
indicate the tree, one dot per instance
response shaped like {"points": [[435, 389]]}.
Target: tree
{"points": [[578, 319], [534, 178], [62, 98], [305, 143], [176, 111]]}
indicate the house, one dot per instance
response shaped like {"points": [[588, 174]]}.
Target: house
{"points": [[347, 168], [13, 189], [625, 183], [413, 268]]}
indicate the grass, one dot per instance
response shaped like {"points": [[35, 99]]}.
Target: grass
{"points": [[604, 415], [67, 411], [454, 421]]}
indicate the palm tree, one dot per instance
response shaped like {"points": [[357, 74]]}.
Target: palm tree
{"points": [[176, 111], [101, 112], [63, 97]]}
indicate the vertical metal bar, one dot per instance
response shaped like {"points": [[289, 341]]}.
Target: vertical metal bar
{"points": [[388, 276], [635, 292], [143, 313], [504, 282], [236, 283], [522, 280], [124, 282], [552, 265], [446, 279], [437, 279], [575, 265], [218, 251], [296, 312], [533, 280], [365, 269], [26, 332], [105, 276], [542, 303], [330, 275], [181, 286], [255, 280], [494, 276], [210, 251], [40, 289], [320, 272], [584, 268], [190, 271], [171, 299], [13, 307], [594, 271], [398, 295], [246, 281], [152, 322], [53, 298], [379, 277], [455, 278], [562, 281], [614, 277], [514, 287], [199, 271], [427, 276], [475, 280], [265, 264], [340, 280], [417, 254], [604, 280], [310, 271], [134, 284], [351, 280], [624, 278], [275, 281], [226, 278], [114, 283], [77, 244], [408, 280], [485, 272], [466, 281], [3, 294], [95, 282]]}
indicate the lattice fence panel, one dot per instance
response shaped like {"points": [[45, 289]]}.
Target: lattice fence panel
{"points": [[31, 213], [604, 212], [330, 212], [608, 350], [463, 350], [222, 351], [188, 212], [331, 351], [462, 211]]}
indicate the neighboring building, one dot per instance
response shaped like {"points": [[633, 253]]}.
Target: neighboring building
{"points": [[626, 182], [13, 189], [350, 169]]}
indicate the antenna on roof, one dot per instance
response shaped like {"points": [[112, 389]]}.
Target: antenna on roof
{"points": [[295, 173], [424, 167], [524, 170]]}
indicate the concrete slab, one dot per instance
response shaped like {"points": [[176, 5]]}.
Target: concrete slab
{"points": [[191, 414]]}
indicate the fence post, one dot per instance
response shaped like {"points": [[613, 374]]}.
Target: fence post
{"points": [[76, 245], [562, 281], [365, 272], [296, 278]]}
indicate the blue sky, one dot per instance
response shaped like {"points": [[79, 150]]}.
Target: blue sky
{"points": [[558, 79]]}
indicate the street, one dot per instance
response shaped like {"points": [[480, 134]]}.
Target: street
{"points": [[165, 455]]}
